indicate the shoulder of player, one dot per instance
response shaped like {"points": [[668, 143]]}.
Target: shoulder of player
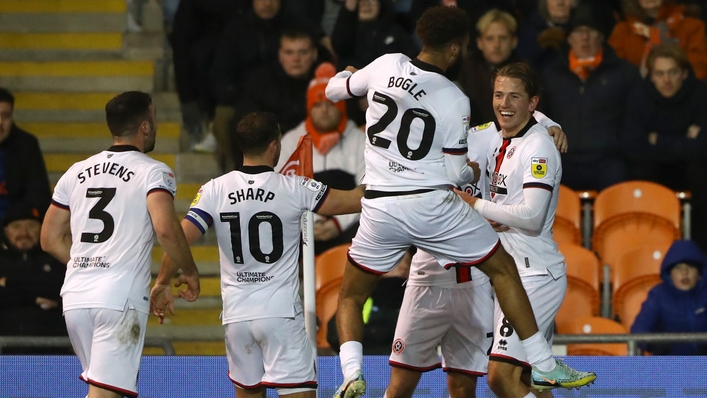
{"points": [[537, 142]]}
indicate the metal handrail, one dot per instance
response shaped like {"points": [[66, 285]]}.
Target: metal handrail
{"points": [[63, 341], [630, 339]]}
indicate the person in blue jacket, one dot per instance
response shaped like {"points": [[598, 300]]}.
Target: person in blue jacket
{"points": [[679, 303]]}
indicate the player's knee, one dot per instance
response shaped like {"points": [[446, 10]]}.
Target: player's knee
{"points": [[501, 264], [497, 382]]}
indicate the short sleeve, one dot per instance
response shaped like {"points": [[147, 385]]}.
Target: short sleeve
{"points": [[455, 127], [311, 192], [201, 209], [62, 191], [161, 178], [540, 163]]}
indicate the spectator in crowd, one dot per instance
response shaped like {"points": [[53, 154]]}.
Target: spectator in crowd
{"points": [[23, 175], [542, 35], [246, 44], [586, 92], [337, 157], [475, 8], [496, 42], [666, 130], [380, 311], [677, 305], [196, 29], [280, 87], [651, 22], [365, 30], [30, 282]]}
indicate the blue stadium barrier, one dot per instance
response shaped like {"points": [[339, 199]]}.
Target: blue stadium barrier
{"points": [[201, 376]]}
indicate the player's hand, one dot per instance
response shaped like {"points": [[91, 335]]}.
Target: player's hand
{"points": [[191, 293], [559, 137], [653, 138], [160, 300], [471, 200], [45, 303], [477, 171], [498, 227], [351, 69], [326, 230]]}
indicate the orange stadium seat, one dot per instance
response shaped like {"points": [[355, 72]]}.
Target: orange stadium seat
{"points": [[582, 298], [329, 266], [641, 262], [632, 214], [327, 301], [594, 325], [628, 300], [567, 226]]}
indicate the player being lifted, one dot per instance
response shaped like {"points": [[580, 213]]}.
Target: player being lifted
{"points": [[417, 141]]}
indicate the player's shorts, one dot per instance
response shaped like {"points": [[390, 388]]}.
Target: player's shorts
{"points": [[109, 345], [546, 295], [458, 319], [438, 221], [270, 352]]}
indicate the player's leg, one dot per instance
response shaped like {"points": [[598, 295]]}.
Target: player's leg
{"points": [[505, 380], [461, 385], [98, 392], [257, 392], [402, 382]]}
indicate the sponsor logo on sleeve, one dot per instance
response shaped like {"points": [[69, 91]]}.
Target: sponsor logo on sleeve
{"points": [[169, 181], [466, 120], [313, 185], [538, 167], [196, 198]]}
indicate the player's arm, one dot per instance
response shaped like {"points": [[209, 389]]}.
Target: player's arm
{"points": [[529, 216], [341, 202], [55, 237], [169, 233], [459, 170]]}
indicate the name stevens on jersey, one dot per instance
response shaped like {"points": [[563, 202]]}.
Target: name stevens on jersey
{"points": [[252, 277], [250, 194], [407, 85], [105, 168]]}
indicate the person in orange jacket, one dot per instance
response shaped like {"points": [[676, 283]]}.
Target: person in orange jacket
{"points": [[651, 22]]}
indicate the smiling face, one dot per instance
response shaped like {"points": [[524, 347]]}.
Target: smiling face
{"points": [[684, 276], [23, 234], [512, 104]]}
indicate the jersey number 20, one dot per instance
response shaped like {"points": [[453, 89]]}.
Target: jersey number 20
{"points": [[428, 131]]}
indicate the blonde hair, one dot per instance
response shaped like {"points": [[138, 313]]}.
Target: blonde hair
{"points": [[496, 15]]}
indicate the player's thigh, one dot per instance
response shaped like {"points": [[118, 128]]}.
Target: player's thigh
{"points": [[381, 239], [545, 294], [245, 358], [466, 346], [403, 382], [118, 340], [449, 229], [461, 385], [425, 316], [288, 356]]}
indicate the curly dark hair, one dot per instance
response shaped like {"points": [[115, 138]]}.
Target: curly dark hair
{"points": [[440, 25]]}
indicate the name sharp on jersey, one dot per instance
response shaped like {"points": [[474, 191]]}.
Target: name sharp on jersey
{"points": [[250, 194]]}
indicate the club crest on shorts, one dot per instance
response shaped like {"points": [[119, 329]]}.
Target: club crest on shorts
{"points": [[398, 346], [538, 167]]}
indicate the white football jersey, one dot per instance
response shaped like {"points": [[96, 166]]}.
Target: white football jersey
{"points": [[415, 115], [111, 228], [256, 213], [528, 160]]}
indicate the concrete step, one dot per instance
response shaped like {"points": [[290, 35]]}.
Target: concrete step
{"points": [[52, 46], [93, 137], [83, 107], [192, 168], [65, 41], [62, 6], [206, 255], [183, 317], [46, 22], [187, 333], [82, 76], [210, 287]]}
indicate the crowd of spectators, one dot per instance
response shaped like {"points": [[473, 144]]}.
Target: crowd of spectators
{"points": [[233, 57]]}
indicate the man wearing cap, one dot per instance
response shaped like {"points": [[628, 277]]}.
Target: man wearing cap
{"points": [[586, 92], [23, 176], [30, 281], [337, 158]]}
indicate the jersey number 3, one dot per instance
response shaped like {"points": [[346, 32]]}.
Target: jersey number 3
{"points": [[98, 212], [428, 131]]}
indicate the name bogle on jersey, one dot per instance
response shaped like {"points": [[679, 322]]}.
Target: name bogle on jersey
{"points": [[111, 168], [406, 84]]}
